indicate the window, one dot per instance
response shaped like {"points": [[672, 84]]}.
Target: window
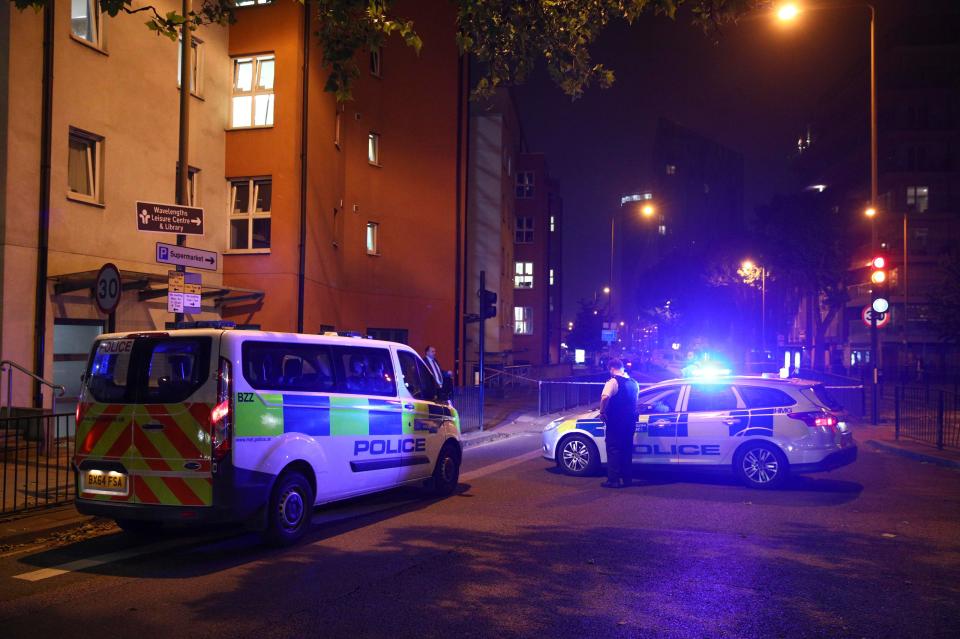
{"points": [[523, 234], [84, 167], [918, 198], [763, 397], [400, 335], [375, 62], [522, 320], [711, 398], [288, 367], [250, 3], [661, 400], [662, 229], [417, 377], [373, 148], [822, 396], [551, 277], [252, 104], [159, 371], [250, 201], [524, 184], [671, 169], [553, 224], [196, 66], [193, 185], [523, 275], [85, 21], [366, 371], [337, 124], [373, 238]]}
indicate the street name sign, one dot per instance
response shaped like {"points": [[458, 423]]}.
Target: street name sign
{"points": [[183, 292], [183, 256], [169, 218], [106, 290]]}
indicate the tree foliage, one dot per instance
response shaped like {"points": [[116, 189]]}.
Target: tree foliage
{"points": [[587, 328], [507, 37]]}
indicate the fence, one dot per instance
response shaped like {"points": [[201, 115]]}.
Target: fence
{"points": [[556, 395], [927, 415], [466, 399], [36, 462]]}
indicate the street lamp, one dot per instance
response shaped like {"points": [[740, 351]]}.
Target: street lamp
{"points": [[648, 210], [749, 272], [787, 12]]}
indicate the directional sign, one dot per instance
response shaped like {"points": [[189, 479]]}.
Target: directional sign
{"points": [[169, 218], [183, 292], [882, 318], [183, 256], [106, 290]]}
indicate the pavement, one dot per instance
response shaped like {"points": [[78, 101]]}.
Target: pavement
{"points": [[882, 437]]}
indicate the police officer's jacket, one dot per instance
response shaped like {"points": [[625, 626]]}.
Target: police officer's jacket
{"points": [[622, 406]]}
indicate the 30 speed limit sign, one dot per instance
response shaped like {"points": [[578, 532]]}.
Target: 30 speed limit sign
{"points": [[106, 290]]}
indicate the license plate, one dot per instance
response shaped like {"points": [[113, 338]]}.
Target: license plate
{"points": [[105, 482]]}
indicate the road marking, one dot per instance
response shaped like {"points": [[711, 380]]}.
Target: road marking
{"points": [[501, 465]]}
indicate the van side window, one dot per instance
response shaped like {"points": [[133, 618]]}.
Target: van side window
{"points": [[417, 377], [288, 367], [365, 371], [176, 369], [763, 397]]}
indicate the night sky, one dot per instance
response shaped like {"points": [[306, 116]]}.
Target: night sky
{"points": [[752, 90]]}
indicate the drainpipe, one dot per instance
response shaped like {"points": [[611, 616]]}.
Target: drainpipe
{"points": [[43, 214], [464, 73], [458, 310], [302, 268]]}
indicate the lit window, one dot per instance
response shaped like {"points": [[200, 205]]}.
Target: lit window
{"points": [[249, 3], [337, 123], [375, 62], [373, 238], [671, 169], [193, 184], [662, 229], [253, 98], [522, 320], [84, 166], [373, 148], [525, 184], [250, 204], [918, 198], [551, 277], [196, 66], [553, 224], [524, 231], [86, 22], [523, 275]]}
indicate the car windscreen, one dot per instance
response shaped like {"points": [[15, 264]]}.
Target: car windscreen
{"points": [[148, 370], [822, 396]]}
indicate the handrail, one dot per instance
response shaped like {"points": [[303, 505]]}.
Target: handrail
{"points": [[59, 389]]}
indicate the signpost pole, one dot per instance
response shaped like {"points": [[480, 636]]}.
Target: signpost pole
{"points": [[482, 343], [183, 163]]}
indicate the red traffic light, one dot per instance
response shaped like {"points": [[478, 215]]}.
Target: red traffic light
{"points": [[879, 262]]}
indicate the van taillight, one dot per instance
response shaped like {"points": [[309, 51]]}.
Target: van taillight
{"points": [[816, 419], [221, 418]]}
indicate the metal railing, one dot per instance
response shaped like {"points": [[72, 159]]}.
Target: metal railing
{"points": [[563, 395], [7, 366], [927, 415], [466, 399], [35, 465]]}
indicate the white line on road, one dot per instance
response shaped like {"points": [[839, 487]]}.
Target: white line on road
{"points": [[500, 465]]}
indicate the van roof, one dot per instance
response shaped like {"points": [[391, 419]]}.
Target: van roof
{"points": [[244, 335]]}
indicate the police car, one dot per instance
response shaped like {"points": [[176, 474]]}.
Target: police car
{"points": [[761, 428], [212, 424]]}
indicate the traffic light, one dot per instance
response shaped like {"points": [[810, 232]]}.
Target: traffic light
{"points": [[878, 278], [488, 304]]}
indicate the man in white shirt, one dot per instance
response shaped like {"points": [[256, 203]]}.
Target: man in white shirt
{"points": [[431, 360]]}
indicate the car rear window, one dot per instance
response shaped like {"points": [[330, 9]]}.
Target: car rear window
{"points": [[765, 397], [148, 370], [823, 397]]}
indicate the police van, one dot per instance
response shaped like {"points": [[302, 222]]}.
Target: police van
{"points": [[760, 428], [220, 425]]}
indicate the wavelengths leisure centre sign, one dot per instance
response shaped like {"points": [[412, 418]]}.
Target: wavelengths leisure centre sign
{"points": [[169, 218]]}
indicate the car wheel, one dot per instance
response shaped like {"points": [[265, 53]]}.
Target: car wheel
{"points": [[139, 527], [760, 465], [289, 510], [446, 474], [577, 455]]}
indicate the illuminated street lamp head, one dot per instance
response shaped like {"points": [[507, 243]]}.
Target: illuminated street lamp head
{"points": [[787, 12], [747, 265], [647, 210], [870, 212], [606, 290]]}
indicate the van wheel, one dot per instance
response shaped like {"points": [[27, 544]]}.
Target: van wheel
{"points": [[578, 456], [289, 510], [139, 527], [760, 465], [446, 474]]}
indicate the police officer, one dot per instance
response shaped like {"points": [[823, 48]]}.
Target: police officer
{"points": [[618, 409]]}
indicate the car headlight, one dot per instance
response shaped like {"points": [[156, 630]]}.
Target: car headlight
{"points": [[552, 425]]}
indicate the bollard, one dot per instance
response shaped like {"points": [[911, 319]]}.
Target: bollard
{"points": [[940, 411], [898, 391]]}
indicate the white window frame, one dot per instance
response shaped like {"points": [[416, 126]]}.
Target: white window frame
{"points": [[94, 157], [523, 320], [523, 275], [376, 62], [196, 60], [372, 238], [526, 185], [373, 148], [915, 198], [95, 14], [255, 91], [193, 184], [524, 229], [250, 214]]}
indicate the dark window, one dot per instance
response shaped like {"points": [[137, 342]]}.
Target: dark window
{"points": [[107, 378], [400, 335], [417, 377], [764, 397], [711, 398], [660, 400], [365, 371], [148, 370], [824, 397], [288, 367]]}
